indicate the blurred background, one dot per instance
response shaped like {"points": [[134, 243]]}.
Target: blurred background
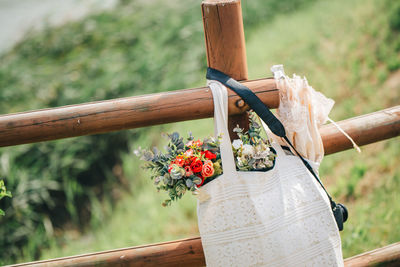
{"points": [[88, 194]]}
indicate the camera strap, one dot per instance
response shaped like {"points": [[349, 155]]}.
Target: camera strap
{"points": [[269, 118]]}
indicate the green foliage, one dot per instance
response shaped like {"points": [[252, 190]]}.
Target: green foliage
{"points": [[53, 183], [347, 188], [394, 15], [3, 193], [258, 12]]}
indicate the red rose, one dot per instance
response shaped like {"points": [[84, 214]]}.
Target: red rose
{"points": [[196, 165], [189, 160], [208, 169], [209, 155]]}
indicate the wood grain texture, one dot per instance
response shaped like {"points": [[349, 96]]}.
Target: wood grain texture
{"points": [[225, 46], [386, 256], [134, 112], [185, 252], [189, 252], [224, 37], [366, 129], [122, 113]]}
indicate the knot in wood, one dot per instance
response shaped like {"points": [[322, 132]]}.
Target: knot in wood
{"points": [[240, 103]]}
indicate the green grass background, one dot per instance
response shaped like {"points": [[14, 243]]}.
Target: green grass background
{"points": [[349, 50]]}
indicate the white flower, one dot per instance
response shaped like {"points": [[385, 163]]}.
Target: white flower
{"points": [[269, 163], [248, 150], [262, 147], [239, 161], [237, 143], [176, 172], [137, 152]]}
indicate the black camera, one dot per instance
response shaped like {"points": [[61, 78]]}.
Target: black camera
{"points": [[341, 215]]}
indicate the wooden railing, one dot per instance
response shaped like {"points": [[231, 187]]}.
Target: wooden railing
{"points": [[134, 112], [225, 51], [189, 252], [122, 113]]}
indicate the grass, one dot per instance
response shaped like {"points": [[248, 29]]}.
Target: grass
{"points": [[346, 53]]}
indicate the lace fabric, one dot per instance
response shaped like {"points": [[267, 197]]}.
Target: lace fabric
{"points": [[302, 110], [277, 218]]}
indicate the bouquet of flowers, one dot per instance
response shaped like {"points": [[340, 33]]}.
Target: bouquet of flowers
{"points": [[189, 165], [252, 152]]}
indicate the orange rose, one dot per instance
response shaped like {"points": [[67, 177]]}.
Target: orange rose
{"points": [[194, 143], [198, 143], [178, 161], [208, 169]]}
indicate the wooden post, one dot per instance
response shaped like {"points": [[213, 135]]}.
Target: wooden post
{"points": [[225, 45]]}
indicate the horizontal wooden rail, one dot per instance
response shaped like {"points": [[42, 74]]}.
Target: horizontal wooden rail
{"points": [[185, 252], [123, 113], [386, 256], [133, 112], [189, 252], [365, 129]]}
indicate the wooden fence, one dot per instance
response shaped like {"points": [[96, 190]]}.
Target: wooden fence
{"points": [[189, 252], [223, 28]]}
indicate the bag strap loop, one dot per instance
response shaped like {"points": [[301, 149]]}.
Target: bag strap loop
{"points": [[220, 97], [250, 98]]}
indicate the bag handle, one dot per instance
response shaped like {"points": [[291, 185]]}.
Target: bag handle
{"points": [[275, 126], [220, 97]]}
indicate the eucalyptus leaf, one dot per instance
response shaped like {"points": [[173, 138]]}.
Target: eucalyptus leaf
{"points": [[189, 183], [197, 180]]}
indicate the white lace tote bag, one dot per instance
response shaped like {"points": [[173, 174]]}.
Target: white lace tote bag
{"points": [[281, 217]]}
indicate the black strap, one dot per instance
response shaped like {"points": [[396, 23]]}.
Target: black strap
{"points": [[250, 98], [263, 112]]}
